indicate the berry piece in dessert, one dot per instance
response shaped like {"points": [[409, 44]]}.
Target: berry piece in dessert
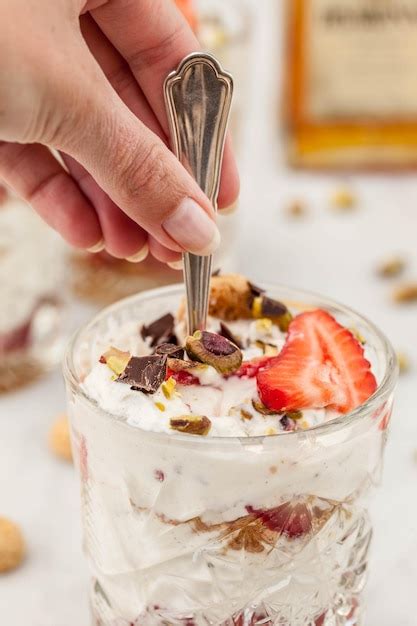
{"points": [[321, 365], [292, 519]]}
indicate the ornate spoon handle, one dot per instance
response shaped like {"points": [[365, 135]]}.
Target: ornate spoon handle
{"points": [[198, 96]]}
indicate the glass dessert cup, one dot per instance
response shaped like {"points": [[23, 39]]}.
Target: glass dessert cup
{"points": [[31, 271], [180, 529]]}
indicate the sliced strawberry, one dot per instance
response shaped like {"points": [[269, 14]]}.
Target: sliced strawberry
{"points": [[182, 377], [249, 369], [321, 365], [294, 520]]}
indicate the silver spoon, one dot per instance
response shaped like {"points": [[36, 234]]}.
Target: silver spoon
{"points": [[198, 96]]}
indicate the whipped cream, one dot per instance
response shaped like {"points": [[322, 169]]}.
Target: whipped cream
{"points": [[31, 263], [227, 402]]}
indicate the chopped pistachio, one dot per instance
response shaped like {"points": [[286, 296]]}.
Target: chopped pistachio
{"points": [[191, 424], [294, 415], [270, 350], [284, 321], [168, 388], [261, 408], [215, 350], [271, 431], [257, 306], [116, 360], [267, 348], [264, 325], [391, 267], [405, 293]]}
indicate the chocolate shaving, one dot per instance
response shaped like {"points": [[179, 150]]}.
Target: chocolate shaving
{"points": [[216, 272], [255, 290], [160, 331], [227, 334], [145, 373], [272, 308], [171, 350]]}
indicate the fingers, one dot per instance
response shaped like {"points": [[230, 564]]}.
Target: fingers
{"points": [[34, 174], [118, 73], [164, 41], [229, 187], [161, 253], [136, 170], [123, 238]]}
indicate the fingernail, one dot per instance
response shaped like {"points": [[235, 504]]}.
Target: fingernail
{"points": [[192, 228], [99, 247], [140, 255], [176, 265], [229, 209]]}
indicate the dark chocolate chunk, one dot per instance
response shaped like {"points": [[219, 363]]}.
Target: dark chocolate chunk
{"points": [[227, 333], [255, 290], [272, 308], [170, 350], [160, 331], [145, 373]]}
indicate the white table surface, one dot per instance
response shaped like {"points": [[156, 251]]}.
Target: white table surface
{"points": [[329, 253]]}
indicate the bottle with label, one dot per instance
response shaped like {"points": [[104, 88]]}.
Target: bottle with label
{"points": [[351, 84]]}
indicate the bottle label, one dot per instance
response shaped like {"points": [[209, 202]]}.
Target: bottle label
{"points": [[360, 59]]}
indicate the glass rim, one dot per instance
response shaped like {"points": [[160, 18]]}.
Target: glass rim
{"points": [[384, 389]]}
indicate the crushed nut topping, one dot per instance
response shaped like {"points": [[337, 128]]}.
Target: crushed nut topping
{"points": [[191, 424], [214, 350], [116, 360], [168, 388]]}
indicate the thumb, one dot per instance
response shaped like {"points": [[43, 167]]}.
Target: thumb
{"points": [[139, 173]]}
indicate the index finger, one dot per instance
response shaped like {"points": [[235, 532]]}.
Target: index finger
{"points": [[153, 37]]}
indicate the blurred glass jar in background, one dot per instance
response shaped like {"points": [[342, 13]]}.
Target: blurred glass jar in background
{"points": [[225, 30], [31, 294]]}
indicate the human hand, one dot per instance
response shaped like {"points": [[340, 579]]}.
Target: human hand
{"points": [[85, 78]]}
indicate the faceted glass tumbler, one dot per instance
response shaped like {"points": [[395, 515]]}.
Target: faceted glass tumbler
{"points": [[188, 530]]}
